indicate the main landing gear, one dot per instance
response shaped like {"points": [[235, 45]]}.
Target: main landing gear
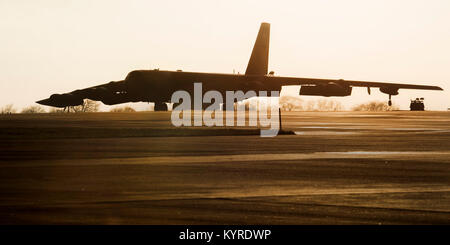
{"points": [[160, 106], [390, 91]]}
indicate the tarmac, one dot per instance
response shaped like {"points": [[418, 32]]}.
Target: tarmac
{"points": [[136, 168]]}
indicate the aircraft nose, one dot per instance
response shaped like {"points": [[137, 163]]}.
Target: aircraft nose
{"points": [[45, 102], [62, 100]]}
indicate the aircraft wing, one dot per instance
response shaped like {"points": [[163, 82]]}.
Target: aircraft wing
{"points": [[394, 85], [316, 81], [144, 88]]}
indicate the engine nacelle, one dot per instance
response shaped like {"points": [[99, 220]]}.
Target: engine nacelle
{"points": [[329, 89], [389, 90]]}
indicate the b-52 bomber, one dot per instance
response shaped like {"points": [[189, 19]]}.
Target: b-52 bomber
{"points": [[158, 86]]}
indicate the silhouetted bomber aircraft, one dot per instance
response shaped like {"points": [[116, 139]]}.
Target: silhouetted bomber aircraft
{"points": [[158, 86]]}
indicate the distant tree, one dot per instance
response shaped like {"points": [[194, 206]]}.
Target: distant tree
{"points": [[321, 105], [310, 106], [333, 105], [293, 103], [8, 109], [122, 109], [56, 110], [87, 106], [33, 109], [374, 106]]}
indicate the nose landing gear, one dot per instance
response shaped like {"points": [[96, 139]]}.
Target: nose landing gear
{"points": [[390, 101]]}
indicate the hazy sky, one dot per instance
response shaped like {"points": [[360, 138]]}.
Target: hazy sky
{"points": [[58, 46]]}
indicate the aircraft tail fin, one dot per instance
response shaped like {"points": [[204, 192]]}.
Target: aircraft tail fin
{"points": [[259, 60]]}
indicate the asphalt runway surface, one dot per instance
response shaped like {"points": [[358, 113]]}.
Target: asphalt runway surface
{"points": [[135, 168]]}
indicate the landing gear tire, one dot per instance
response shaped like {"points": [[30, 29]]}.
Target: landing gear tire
{"points": [[160, 106]]}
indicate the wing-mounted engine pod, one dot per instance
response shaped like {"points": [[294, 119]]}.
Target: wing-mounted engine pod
{"points": [[327, 90], [389, 90]]}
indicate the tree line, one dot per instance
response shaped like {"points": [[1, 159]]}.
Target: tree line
{"points": [[87, 106], [287, 103]]}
